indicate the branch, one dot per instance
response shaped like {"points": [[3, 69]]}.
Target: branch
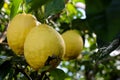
{"points": [[107, 50], [23, 72], [3, 35], [115, 43], [40, 77], [46, 77]]}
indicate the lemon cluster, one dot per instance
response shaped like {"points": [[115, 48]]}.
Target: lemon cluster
{"points": [[40, 44]]}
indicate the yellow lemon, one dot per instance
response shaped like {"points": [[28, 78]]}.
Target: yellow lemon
{"points": [[43, 45], [73, 43], [17, 30]]}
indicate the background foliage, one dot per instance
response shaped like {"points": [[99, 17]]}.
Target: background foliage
{"points": [[96, 20]]}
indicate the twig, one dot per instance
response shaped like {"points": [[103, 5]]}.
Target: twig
{"points": [[23, 72], [41, 76], [29, 78], [2, 37], [103, 52], [46, 77]]}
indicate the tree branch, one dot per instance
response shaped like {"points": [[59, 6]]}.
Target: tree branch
{"points": [[23, 72]]}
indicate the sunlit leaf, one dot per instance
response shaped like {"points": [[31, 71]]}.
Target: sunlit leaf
{"points": [[71, 9], [15, 7], [83, 1]]}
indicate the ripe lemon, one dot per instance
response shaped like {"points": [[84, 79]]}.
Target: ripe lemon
{"points": [[43, 45], [17, 30], [73, 43]]}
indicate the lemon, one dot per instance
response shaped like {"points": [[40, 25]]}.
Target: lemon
{"points": [[17, 30], [73, 43], [43, 46]]}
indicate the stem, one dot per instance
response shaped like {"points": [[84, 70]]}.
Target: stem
{"points": [[23, 10], [46, 77], [42, 75], [23, 72], [3, 35], [29, 78]]}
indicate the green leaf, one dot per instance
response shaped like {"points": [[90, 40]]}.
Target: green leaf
{"points": [[55, 6], [15, 7], [11, 73], [103, 18], [1, 3], [83, 1], [28, 1], [4, 69], [80, 24], [57, 74], [71, 9], [35, 4], [3, 59]]}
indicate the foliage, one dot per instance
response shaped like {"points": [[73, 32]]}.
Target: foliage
{"points": [[99, 29]]}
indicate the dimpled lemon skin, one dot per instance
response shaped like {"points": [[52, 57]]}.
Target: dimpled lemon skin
{"points": [[74, 44], [17, 30], [43, 42]]}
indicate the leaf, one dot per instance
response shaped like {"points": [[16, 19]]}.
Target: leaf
{"points": [[54, 7], [35, 4], [15, 7], [11, 73], [71, 9], [4, 69], [3, 59], [103, 18], [57, 74], [80, 24], [83, 1], [1, 3], [28, 1]]}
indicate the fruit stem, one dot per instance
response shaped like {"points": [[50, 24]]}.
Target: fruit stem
{"points": [[23, 9]]}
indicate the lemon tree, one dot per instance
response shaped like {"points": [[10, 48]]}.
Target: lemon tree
{"points": [[88, 49]]}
